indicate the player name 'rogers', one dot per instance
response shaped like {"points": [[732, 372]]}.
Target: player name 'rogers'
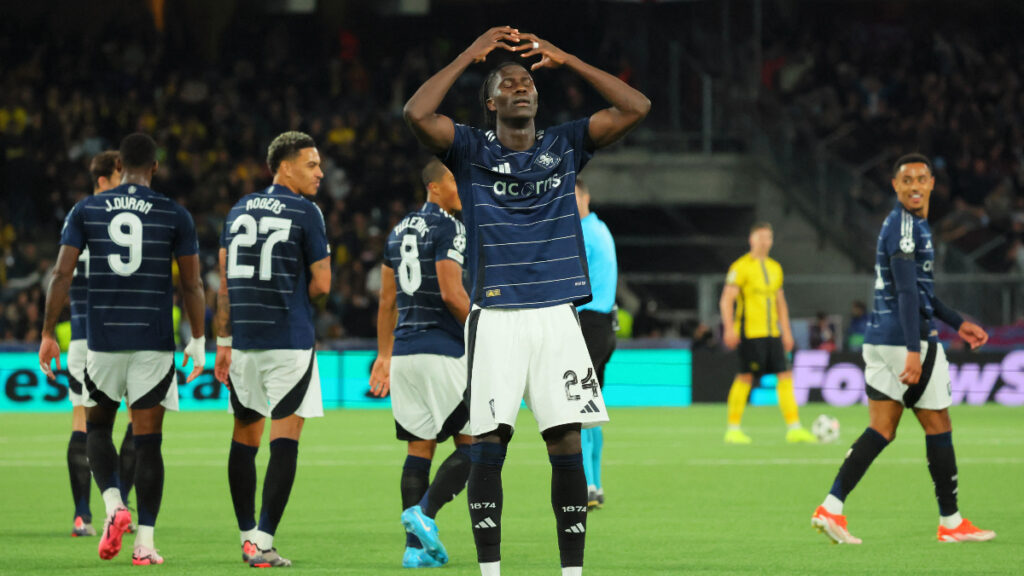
{"points": [[272, 204]]}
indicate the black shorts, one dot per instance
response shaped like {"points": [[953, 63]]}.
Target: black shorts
{"points": [[759, 356], [455, 422], [600, 338]]}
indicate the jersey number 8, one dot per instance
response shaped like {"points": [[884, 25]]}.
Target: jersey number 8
{"points": [[409, 275], [278, 229]]}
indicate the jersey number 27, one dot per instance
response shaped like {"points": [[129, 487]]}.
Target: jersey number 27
{"points": [[277, 230]]}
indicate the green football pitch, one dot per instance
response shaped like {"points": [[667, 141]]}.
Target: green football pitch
{"points": [[678, 500]]}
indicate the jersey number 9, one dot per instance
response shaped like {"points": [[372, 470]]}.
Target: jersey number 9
{"points": [[125, 229]]}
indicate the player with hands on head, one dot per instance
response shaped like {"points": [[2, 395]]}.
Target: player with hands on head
{"points": [[132, 234], [527, 268], [902, 324]]}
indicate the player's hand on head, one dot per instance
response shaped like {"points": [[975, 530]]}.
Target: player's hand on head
{"points": [[504, 37], [973, 334], [551, 55], [911, 369], [380, 377], [48, 351]]}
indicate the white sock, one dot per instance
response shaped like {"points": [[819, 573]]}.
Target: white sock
{"points": [[833, 505], [246, 535], [490, 568], [733, 427], [112, 498], [144, 537], [794, 426], [572, 571], [952, 521], [263, 540]]}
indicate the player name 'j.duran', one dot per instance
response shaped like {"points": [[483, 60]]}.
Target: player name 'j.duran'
{"points": [[128, 203]]}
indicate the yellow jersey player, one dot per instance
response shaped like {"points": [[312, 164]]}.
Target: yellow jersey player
{"points": [[760, 329]]}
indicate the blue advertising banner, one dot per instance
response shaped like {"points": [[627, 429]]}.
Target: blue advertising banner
{"points": [[634, 377]]}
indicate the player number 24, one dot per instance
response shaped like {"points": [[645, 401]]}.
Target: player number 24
{"points": [[277, 230]]}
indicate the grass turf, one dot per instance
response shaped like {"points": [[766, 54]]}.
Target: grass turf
{"points": [[678, 500]]}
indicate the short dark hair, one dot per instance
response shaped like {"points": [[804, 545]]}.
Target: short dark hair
{"points": [[286, 146], [761, 226], [434, 171], [102, 166], [138, 150], [913, 158], [491, 118]]}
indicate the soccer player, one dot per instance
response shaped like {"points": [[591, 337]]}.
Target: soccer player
{"points": [[421, 357], [132, 233], [274, 263], [902, 325], [527, 266], [105, 176], [599, 321], [761, 331]]}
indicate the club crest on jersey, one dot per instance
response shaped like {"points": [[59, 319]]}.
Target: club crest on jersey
{"points": [[547, 161], [907, 245]]}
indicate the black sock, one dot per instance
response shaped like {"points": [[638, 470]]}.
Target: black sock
{"points": [[942, 465], [861, 455], [277, 486], [569, 501], [485, 498], [415, 478], [102, 455], [242, 482], [126, 458], [78, 471], [149, 476], [448, 482]]}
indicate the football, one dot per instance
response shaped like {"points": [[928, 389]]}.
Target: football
{"points": [[826, 428]]}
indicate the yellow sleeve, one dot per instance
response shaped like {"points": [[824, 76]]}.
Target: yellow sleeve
{"points": [[732, 278]]}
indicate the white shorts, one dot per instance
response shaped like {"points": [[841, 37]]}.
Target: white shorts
{"points": [[145, 377], [533, 354], [77, 351], [275, 384], [884, 364], [426, 390]]}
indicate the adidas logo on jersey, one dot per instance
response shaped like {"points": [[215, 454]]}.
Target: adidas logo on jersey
{"points": [[590, 408], [576, 528], [503, 168], [485, 524]]}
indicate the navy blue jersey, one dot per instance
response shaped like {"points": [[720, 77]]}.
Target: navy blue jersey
{"points": [[525, 244], [132, 234], [79, 296], [902, 234], [425, 326], [272, 237]]}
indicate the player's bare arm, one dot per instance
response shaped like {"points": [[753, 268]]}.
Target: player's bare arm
{"points": [[222, 323], [195, 307], [56, 298], [320, 280], [436, 131], [628, 105], [449, 278], [730, 337], [387, 319], [787, 331]]}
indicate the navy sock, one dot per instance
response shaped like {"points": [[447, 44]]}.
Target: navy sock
{"points": [[149, 476], [448, 482], [78, 472], [942, 465], [277, 486], [863, 452], [242, 482], [569, 501], [102, 455], [415, 479], [126, 464], [484, 496]]}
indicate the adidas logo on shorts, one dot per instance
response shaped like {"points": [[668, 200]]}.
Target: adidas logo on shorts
{"points": [[590, 408]]}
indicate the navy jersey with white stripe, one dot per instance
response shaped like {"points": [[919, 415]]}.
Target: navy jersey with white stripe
{"points": [[272, 237], [79, 296], [424, 237], [132, 233], [902, 234], [525, 244]]}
